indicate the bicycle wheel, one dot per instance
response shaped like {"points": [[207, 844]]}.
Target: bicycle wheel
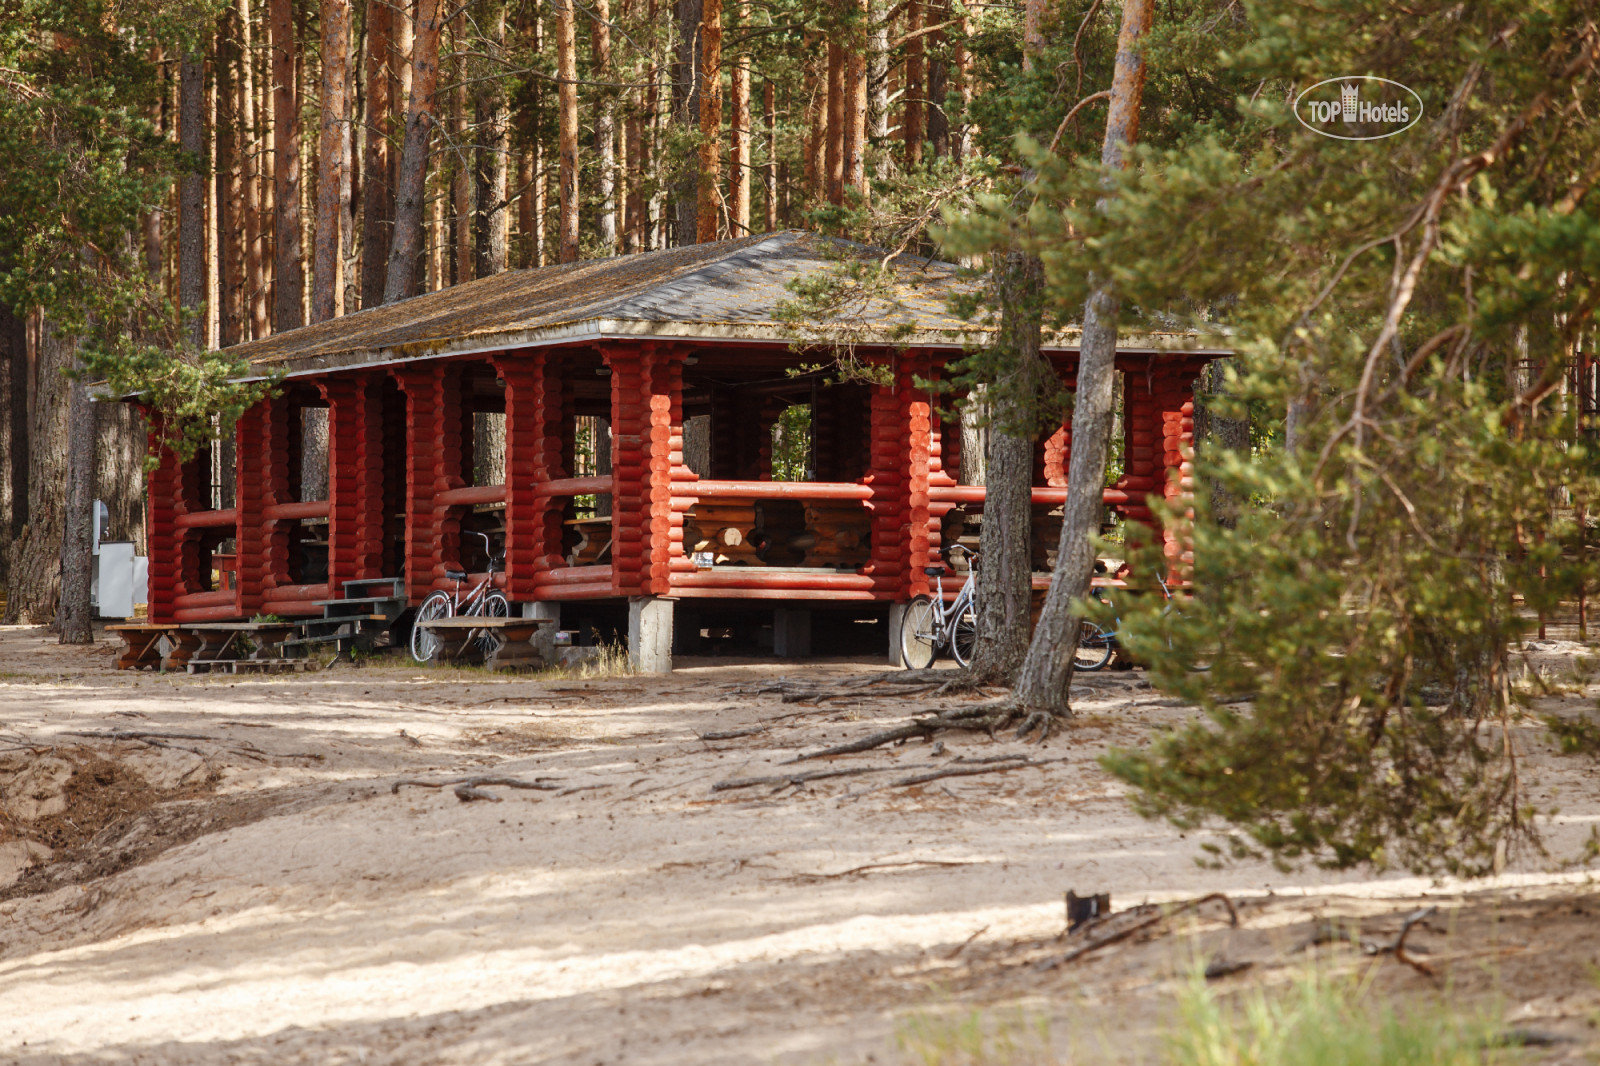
{"points": [[494, 605], [1094, 648], [424, 645], [964, 636], [919, 644]]}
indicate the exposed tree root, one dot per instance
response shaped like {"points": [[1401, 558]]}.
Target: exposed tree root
{"points": [[468, 789], [987, 717], [159, 740], [961, 767], [786, 780]]}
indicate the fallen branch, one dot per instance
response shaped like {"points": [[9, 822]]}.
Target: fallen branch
{"points": [[1399, 947], [1057, 961], [468, 789]]}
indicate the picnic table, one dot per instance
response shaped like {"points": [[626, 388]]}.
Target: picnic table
{"points": [[497, 643]]}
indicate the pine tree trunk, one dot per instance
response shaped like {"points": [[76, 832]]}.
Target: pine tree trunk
{"points": [[255, 279], [1005, 567], [33, 592], [605, 127], [636, 219], [493, 222], [911, 120], [527, 254], [687, 100], [1046, 676], [327, 274], [816, 158], [878, 90], [154, 257], [400, 280], [231, 231], [855, 131], [74, 616], [288, 251], [653, 232], [567, 72], [13, 433], [192, 197], [459, 154], [120, 442], [834, 158], [377, 197], [707, 213], [739, 142], [769, 102], [534, 195]]}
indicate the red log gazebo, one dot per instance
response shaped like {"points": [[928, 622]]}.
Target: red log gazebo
{"points": [[603, 371]]}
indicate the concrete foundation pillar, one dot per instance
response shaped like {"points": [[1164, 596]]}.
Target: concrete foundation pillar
{"points": [[897, 617], [650, 634], [544, 641], [791, 633]]}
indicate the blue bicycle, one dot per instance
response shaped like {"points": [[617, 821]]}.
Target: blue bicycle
{"points": [[1096, 643]]}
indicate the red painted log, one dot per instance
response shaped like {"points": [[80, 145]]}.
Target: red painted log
{"points": [[218, 598], [299, 592], [834, 595], [207, 614], [575, 575], [207, 519], [576, 486], [283, 511], [779, 490], [754, 578], [470, 495]]}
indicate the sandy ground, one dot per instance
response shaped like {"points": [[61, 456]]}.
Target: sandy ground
{"points": [[257, 891]]}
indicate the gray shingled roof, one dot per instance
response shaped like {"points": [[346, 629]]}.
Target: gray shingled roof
{"points": [[725, 291]]}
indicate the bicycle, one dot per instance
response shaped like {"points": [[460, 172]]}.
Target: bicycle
{"points": [[480, 601], [929, 626], [1096, 644]]}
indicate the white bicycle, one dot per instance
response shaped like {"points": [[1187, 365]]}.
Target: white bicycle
{"points": [[930, 626], [483, 600]]}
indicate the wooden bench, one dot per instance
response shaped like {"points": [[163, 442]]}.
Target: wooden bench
{"points": [[142, 646], [216, 639], [497, 643]]}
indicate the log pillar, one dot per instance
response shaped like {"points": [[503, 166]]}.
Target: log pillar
{"points": [[900, 433], [1141, 441], [250, 488], [647, 446], [421, 386], [349, 496], [366, 411], [164, 491], [1174, 402], [534, 455], [280, 446]]}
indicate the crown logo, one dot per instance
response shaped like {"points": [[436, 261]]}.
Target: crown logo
{"points": [[1348, 94]]}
